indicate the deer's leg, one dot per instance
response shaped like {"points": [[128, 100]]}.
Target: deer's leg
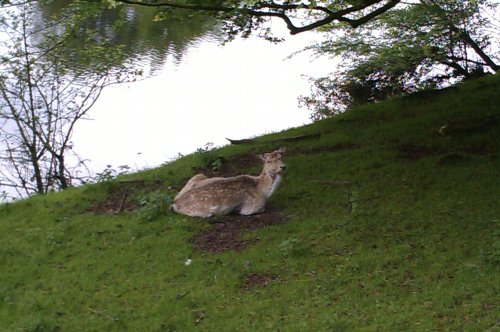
{"points": [[253, 206]]}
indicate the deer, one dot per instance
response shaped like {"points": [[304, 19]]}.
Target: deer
{"points": [[244, 194]]}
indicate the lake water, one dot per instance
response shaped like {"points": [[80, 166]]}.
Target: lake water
{"points": [[201, 92], [243, 89]]}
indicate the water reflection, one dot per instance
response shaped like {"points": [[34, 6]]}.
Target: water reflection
{"points": [[240, 90], [202, 92], [145, 39]]}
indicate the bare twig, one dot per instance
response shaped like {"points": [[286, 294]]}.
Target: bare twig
{"points": [[122, 202]]}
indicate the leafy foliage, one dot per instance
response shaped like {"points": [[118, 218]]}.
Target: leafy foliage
{"points": [[44, 95], [153, 205], [210, 159], [416, 46], [110, 174], [244, 17], [146, 36]]}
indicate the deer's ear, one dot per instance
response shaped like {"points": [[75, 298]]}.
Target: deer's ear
{"points": [[261, 157], [282, 149]]}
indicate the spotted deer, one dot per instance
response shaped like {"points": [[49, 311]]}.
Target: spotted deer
{"points": [[244, 194]]}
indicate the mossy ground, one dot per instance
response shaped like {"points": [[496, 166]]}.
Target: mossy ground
{"points": [[391, 223]]}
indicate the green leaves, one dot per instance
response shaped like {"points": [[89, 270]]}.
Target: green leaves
{"points": [[153, 205], [412, 47]]}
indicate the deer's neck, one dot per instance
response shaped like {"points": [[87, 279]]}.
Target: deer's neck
{"points": [[268, 183]]}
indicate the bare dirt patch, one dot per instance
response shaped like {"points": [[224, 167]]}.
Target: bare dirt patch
{"points": [[233, 166], [121, 196], [227, 231], [253, 280]]}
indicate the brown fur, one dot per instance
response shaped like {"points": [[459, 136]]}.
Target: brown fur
{"points": [[244, 194]]}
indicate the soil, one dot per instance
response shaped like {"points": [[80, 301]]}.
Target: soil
{"points": [[234, 166], [238, 164], [116, 202], [227, 231], [252, 280], [119, 198]]}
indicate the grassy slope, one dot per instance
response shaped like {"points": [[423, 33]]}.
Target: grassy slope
{"points": [[412, 244]]}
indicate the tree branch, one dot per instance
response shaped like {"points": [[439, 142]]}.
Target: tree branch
{"points": [[457, 67], [375, 13], [271, 9], [464, 36], [479, 51]]}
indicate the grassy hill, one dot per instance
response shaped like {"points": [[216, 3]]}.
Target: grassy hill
{"points": [[387, 220]]}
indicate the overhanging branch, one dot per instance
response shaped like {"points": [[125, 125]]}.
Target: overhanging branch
{"points": [[285, 11]]}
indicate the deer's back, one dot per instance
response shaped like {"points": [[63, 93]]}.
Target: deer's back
{"points": [[219, 187]]}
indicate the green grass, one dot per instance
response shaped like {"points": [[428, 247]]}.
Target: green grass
{"points": [[411, 244]]}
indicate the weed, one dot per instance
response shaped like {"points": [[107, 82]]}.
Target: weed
{"points": [[153, 205], [293, 247], [209, 158], [109, 173]]}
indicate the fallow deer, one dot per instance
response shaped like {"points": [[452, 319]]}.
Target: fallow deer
{"points": [[244, 194]]}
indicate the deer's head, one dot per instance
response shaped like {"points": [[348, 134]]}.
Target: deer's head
{"points": [[272, 162]]}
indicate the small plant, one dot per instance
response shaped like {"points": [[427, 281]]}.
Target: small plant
{"points": [[209, 158], [109, 173], [293, 247], [153, 205], [4, 196]]}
